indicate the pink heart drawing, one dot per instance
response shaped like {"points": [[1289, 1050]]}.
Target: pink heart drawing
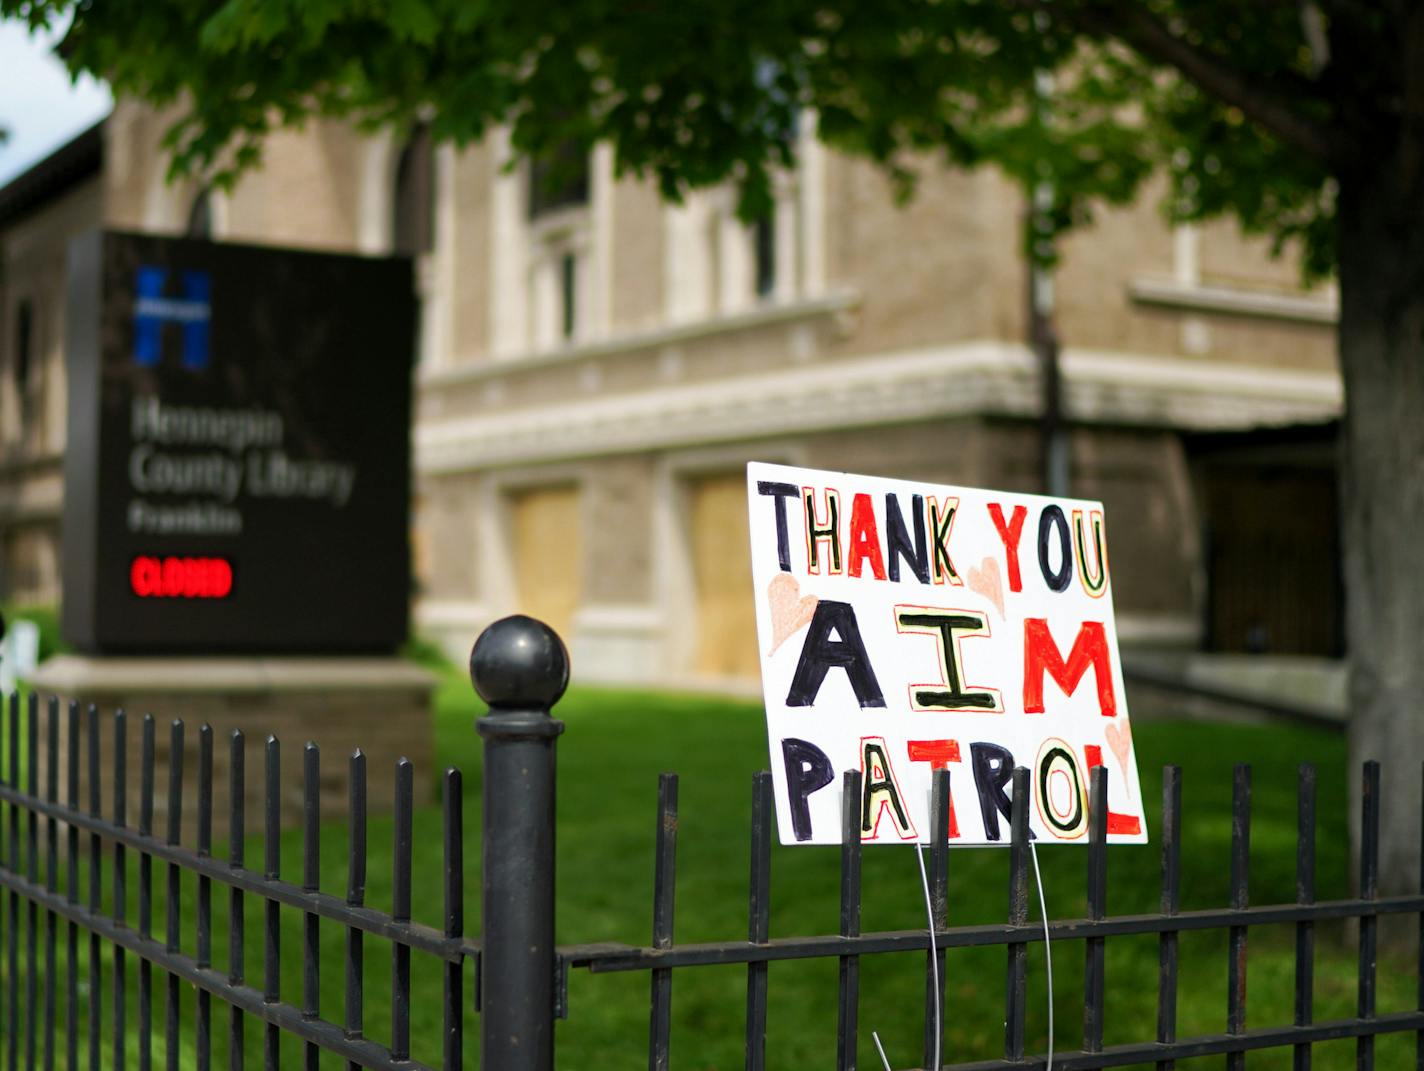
{"points": [[1119, 734], [987, 581], [790, 610]]}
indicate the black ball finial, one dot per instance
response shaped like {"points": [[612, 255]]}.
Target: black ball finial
{"points": [[519, 662]]}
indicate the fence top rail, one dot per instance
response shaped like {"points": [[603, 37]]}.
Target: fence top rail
{"points": [[611, 956]]}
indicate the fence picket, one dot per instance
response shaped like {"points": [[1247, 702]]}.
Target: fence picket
{"points": [[32, 992], [1369, 891], [272, 869], [120, 885], [71, 984], [145, 896], [848, 1008], [400, 911], [664, 899], [454, 859], [96, 877], [938, 879], [1171, 834], [1304, 894], [12, 934], [172, 908], [203, 1032], [1236, 939], [236, 927], [1016, 977], [1419, 959], [356, 896], [51, 879], [311, 882], [759, 918], [1095, 967]]}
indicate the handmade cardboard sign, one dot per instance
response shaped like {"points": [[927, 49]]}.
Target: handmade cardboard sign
{"points": [[908, 627]]}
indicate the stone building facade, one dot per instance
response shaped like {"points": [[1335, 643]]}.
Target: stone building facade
{"points": [[596, 366]]}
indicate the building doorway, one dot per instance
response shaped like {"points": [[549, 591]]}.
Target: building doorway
{"points": [[721, 572], [1270, 508], [545, 524]]}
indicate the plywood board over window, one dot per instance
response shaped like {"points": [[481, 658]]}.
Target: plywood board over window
{"points": [[548, 554], [722, 576]]}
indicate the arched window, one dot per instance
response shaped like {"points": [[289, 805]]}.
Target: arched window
{"points": [[560, 235], [558, 181], [413, 208], [200, 216]]}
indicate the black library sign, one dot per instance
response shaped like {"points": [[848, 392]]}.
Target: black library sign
{"points": [[237, 476]]}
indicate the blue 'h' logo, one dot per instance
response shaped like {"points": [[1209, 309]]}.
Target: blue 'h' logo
{"points": [[152, 310]]}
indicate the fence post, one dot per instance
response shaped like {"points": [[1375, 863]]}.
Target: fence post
{"points": [[520, 668]]}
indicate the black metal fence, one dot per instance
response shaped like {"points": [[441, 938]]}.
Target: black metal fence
{"points": [[520, 669]]}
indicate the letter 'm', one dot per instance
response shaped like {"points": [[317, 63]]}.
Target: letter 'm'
{"points": [[1041, 655]]}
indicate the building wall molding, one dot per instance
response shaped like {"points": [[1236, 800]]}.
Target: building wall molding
{"points": [[616, 642], [1234, 301], [474, 370], [1173, 630], [972, 378]]}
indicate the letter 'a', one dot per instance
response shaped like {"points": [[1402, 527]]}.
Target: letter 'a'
{"points": [[821, 653]]}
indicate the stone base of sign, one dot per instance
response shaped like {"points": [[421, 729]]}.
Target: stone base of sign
{"points": [[381, 705]]}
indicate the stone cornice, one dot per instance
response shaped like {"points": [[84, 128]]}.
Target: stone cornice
{"points": [[974, 378]]}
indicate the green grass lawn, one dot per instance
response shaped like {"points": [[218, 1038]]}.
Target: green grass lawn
{"points": [[615, 745]]}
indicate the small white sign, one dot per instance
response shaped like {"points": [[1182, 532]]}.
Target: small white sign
{"points": [[19, 653], [906, 627]]}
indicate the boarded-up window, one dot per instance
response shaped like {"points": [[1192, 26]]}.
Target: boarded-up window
{"points": [[547, 554], [722, 574]]}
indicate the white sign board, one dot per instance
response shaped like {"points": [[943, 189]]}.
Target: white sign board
{"points": [[906, 627]]}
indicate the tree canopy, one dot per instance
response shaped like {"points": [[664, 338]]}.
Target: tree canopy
{"points": [[1235, 103], [1303, 119]]}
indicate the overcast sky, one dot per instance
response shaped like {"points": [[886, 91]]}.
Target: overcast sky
{"points": [[39, 107]]}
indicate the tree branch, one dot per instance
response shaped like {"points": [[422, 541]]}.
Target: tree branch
{"points": [[1134, 25]]}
